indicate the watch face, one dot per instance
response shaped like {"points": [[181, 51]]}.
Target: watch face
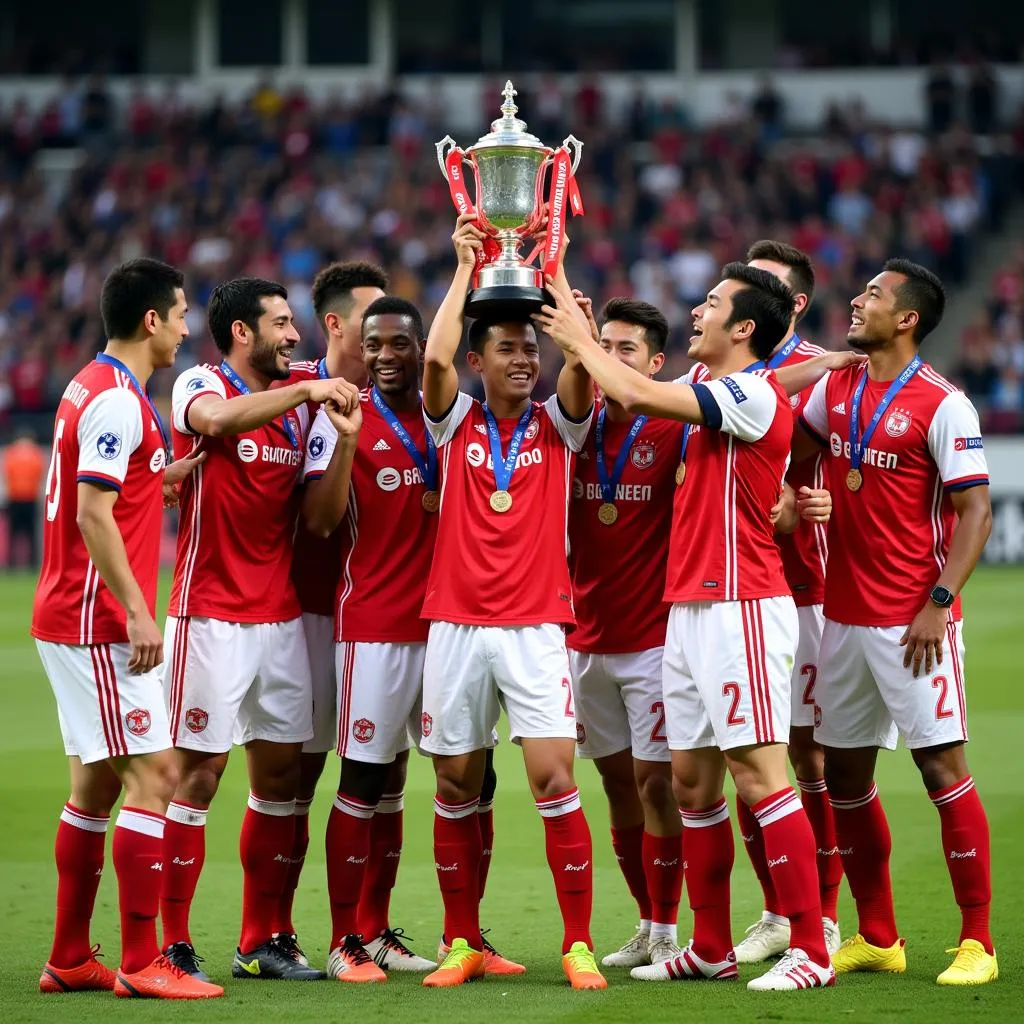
{"points": [[942, 597]]}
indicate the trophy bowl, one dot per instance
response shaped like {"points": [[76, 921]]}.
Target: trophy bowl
{"points": [[510, 168]]}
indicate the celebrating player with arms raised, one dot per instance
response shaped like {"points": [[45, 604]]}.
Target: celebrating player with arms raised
{"points": [[498, 598], [912, 514]]}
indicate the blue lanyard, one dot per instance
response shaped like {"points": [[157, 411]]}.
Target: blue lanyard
{"points": [[858, 444], [140, 391], [609, 484], [239, 385], [784, 353], [427, 466], [505, 467], [321, 368]]}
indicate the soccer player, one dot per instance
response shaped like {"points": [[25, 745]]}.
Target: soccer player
{"points": [[93, 621], [912, 514], [341, 292], [237, 668], [497, 599], [727, 703], [619, 523], [804, 552]]}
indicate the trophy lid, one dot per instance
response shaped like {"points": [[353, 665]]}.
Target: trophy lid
{"points": [[508, 130]]}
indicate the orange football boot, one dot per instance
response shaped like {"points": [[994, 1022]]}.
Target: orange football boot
{"points": [[462, 964], [162, 980], [92, 976]]}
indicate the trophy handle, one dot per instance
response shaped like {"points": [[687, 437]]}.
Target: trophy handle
{"points": [[575, 149], [446, 146]]}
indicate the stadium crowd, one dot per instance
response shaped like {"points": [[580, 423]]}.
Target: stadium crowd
{"points": [[277, 186]]}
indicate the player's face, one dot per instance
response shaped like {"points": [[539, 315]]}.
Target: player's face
{"points": [[275, 339], [875, 318], [168, 334], [391, 353], [628, 343], [510, 361], [353, 323], [711, 341]]}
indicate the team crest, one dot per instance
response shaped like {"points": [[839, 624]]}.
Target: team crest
{"points": [[817, 716], [426, 724], [642, 455], [581, 733], [532, 429], [897, 423], [196, 719], [138, 721], [794, 400], [363, 730]]}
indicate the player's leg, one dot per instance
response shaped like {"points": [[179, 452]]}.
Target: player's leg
{"points": [[485, 818], [930, 712]]}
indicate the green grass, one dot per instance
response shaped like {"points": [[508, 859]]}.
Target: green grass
{"points": [[520, 905]]}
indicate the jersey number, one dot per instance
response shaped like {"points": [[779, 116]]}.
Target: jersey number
{"points": [[941, 683], [569, 713], [53, 474], [810, 672], [658, 732], [732, 691]]}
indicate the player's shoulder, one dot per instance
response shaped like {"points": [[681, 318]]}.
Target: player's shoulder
{"points": [[303, 369], [198, 377], [934, 385], [807, 350]]}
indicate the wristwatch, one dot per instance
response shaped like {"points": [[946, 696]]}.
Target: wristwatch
{"points": [[942, 596]]}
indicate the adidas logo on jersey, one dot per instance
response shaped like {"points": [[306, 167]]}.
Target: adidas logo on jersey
{"points": [[840, 408], [382, 446]]}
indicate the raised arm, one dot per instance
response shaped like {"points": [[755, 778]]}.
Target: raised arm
{"points": [[800, 376], [575, 386]]}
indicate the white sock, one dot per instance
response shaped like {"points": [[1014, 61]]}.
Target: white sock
{"points": [[664, 931], [769, 918], [645, 925]]}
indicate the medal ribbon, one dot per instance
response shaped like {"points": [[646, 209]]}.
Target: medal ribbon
{"points": [[321, 368], [427, 466], [239, 385], [858, 444], [456, 176], [140, 391], [784, 353], [609, 484], [505, 467]]}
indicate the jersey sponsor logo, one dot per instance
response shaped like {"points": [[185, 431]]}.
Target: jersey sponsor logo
{"points": [[642, 455], [735, 390], [835, 443], [158, 460], [623, 492], [840, 409], [426, 724], [108, 445], [897, 423], [317, 445], [194, 384], [871, 456], [196, 719], [281, 456], [248, 450], [966, 444], [382, 446], [389, 479], [138, 721], [476, 456], [532, 430], [363, 730], [76, 394]]}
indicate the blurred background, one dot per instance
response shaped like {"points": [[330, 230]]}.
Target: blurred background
{"points": [[269, 137]]}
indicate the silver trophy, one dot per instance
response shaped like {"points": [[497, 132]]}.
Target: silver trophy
{"points": [[511, 166]]}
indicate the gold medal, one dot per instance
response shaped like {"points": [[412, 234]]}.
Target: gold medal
{"points": [[680, 474], [501, 501], [431, 501], [607, 513], [854, 479]]}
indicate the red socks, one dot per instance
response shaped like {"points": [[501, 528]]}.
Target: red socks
{"points": [[457, 860], [814, 796], [183, 857], [300, 844], [570, 857], [753, 842], [268, 835], [663, 869], [382, 867], [628, 844], [78, 852], [790, 849], [138, 856], [485, 818], [348, 850], [965, 842], [709, 852], [865, 846]]}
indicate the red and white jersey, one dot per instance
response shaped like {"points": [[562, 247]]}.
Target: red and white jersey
{"points": [[618, 571], [888, 541], [723, 541], [238, 513], [503, 569], [387, 537], [105, 433], [805, 551]]}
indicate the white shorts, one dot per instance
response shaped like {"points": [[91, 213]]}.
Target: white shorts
{"points": [[380, 687], [319, 630], [727, 672], [865, 695], [472, 672], [620, 704], [805, 669], [104, 710], [234, 682]]}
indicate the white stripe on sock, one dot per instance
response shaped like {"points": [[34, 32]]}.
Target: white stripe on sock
{"points": [[184, 815], [140, 821], [275, 808]]}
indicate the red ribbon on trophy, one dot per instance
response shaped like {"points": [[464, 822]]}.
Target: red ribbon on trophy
{"points": [[463, 203], [563, 186]]}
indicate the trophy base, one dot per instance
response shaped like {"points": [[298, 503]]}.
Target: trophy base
{"points": [[515, 302]]}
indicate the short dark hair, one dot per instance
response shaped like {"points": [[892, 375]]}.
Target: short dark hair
{"points": [[240, 299], [922, 292], [801, 270], [132, 289], [480, 331], [332, 287], [394, 306], [639, 314], [766, 300]]}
